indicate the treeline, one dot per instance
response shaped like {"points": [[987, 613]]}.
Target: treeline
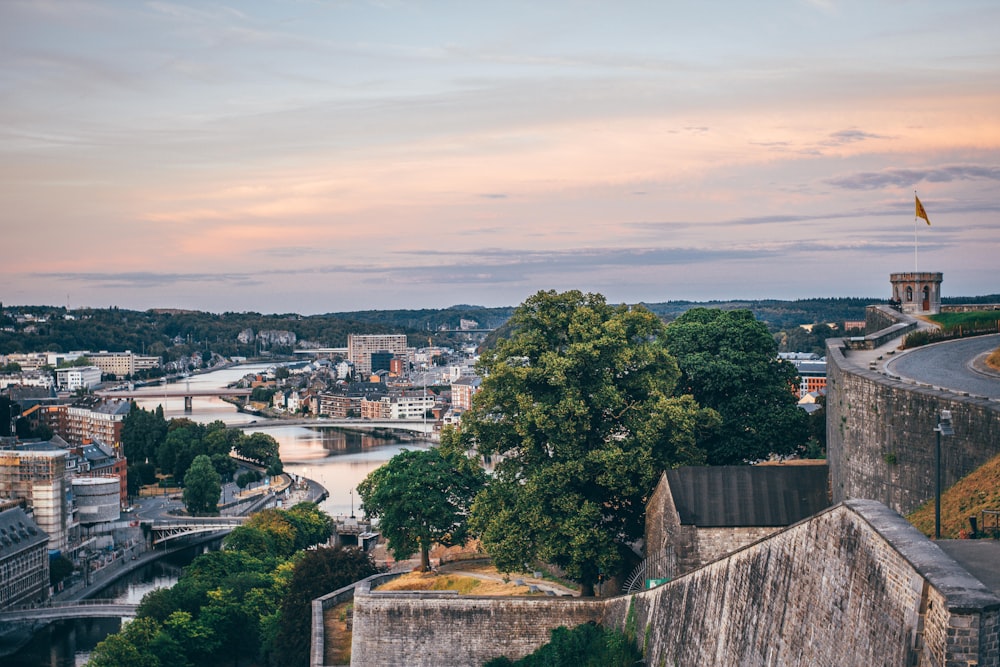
{"points": [[152, 444], [246, 604], [173, 334]]}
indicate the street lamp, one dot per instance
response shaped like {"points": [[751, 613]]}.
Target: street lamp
{"points": [[943, 428]]}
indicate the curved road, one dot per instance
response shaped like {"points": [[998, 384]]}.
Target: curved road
{"points": [[949, 365]]}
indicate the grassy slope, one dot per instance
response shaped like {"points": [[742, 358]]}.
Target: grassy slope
{"points": [[975, 492]]}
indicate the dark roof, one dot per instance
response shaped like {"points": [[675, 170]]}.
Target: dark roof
{"points": [[18, 532], [730, 496]]}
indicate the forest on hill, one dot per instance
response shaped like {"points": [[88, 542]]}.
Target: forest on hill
{"points": [[172, 333]]}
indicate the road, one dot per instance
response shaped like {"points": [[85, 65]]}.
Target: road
{"points": [[949, 365]]}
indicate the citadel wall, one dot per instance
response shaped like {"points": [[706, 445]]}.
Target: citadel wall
{"points": [[855, 584], [880, 435]]}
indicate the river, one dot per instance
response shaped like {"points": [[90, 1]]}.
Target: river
{"points": [[336, 458], [69, 643]]}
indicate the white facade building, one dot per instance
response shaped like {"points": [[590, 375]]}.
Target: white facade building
{"points": [[71, 379]]}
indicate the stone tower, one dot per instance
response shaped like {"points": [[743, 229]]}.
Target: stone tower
{"points": [[917, 292]]}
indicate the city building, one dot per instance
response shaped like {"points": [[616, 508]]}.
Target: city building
{"points": [[24, 559], [405, 405], [360, 347], [97, 459], [91, 418], [811, 369], [79, 377], [121, 364], [462, 391], [38, 476]]}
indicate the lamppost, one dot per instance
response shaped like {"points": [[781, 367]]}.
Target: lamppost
{"points": [[943, 428]]}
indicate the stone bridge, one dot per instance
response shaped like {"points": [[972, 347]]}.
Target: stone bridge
{"points": [[69, 610]]}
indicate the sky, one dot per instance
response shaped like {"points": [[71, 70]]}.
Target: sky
{"points": [[311, 156]]}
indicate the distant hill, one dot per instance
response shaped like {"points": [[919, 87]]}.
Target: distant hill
{"points": [[171, 332]]}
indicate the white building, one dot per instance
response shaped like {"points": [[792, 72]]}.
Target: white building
{"points": [[71, 379]]}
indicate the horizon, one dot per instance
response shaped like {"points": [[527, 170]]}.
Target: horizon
{"points": [[471, 306], [339, 157]]}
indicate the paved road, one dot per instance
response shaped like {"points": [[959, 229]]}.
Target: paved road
{"points": [[949, 365]]}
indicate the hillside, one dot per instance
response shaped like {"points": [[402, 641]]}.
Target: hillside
{"points": [[980, 490]]}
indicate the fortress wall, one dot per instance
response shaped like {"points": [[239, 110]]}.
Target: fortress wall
{"points": [[845, 587], [854, 585], [433, 629], [881, 439]]}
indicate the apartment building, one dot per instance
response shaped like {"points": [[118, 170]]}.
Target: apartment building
{"points": [[91, 419], [121, 364], [462, 391], [361, 346], [398, 406]]}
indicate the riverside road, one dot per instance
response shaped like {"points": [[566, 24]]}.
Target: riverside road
{"points": [[951, 365]]}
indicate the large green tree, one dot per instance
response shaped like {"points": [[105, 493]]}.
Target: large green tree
{"points": [[316, 572], [202, 487], [143, 432], [578, 403], [729, 362], [421, 498]]}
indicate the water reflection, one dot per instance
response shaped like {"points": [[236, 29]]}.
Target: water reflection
{"points": [[336, 458]]}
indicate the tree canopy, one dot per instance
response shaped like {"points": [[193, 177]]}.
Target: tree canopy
{"points": [[579, 405], [239, 606], [729, 362], [421, 498], [202, 487]]}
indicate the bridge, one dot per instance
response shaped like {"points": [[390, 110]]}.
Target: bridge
{"points": [[417, 425], [164, 531], [64, 610], [172, 392]]}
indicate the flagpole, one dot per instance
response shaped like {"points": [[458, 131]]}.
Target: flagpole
{"points": [[915, 270]]}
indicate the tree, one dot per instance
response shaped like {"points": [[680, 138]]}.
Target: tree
{"points": [[729, 362], [316, 572], [142, 433], [578, 404], [421, 498], [202, 487]]}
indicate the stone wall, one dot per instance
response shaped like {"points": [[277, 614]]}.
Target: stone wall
{"points": [[714, 543], [881, 439], [432, 629], [854, 585]]}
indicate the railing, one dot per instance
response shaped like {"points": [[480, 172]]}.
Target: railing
{"points": [[662, 566]]}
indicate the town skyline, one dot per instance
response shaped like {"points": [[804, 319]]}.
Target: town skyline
{"points": [[317, 157]]}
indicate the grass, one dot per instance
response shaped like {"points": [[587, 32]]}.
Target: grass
{"points": [[979, 490], [464, 585], [974, 320], [337, 635], [993, 361]]}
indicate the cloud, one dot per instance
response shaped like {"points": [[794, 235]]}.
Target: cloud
{"points": [[873, 180], [150, 279], [849, 137]]}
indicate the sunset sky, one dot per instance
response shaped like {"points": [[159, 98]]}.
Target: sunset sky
{"points": [[311, 156]]}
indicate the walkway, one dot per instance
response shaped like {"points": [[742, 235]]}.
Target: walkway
{"points": [[980, 557]]}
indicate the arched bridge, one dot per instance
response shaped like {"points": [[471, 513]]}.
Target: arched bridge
{"points": [[163, 531], [63, 610]]}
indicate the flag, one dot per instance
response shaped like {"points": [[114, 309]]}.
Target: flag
{"points": [[921, 213]]}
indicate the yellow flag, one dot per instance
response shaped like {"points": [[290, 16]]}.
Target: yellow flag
{"points": [[921, 213]]}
